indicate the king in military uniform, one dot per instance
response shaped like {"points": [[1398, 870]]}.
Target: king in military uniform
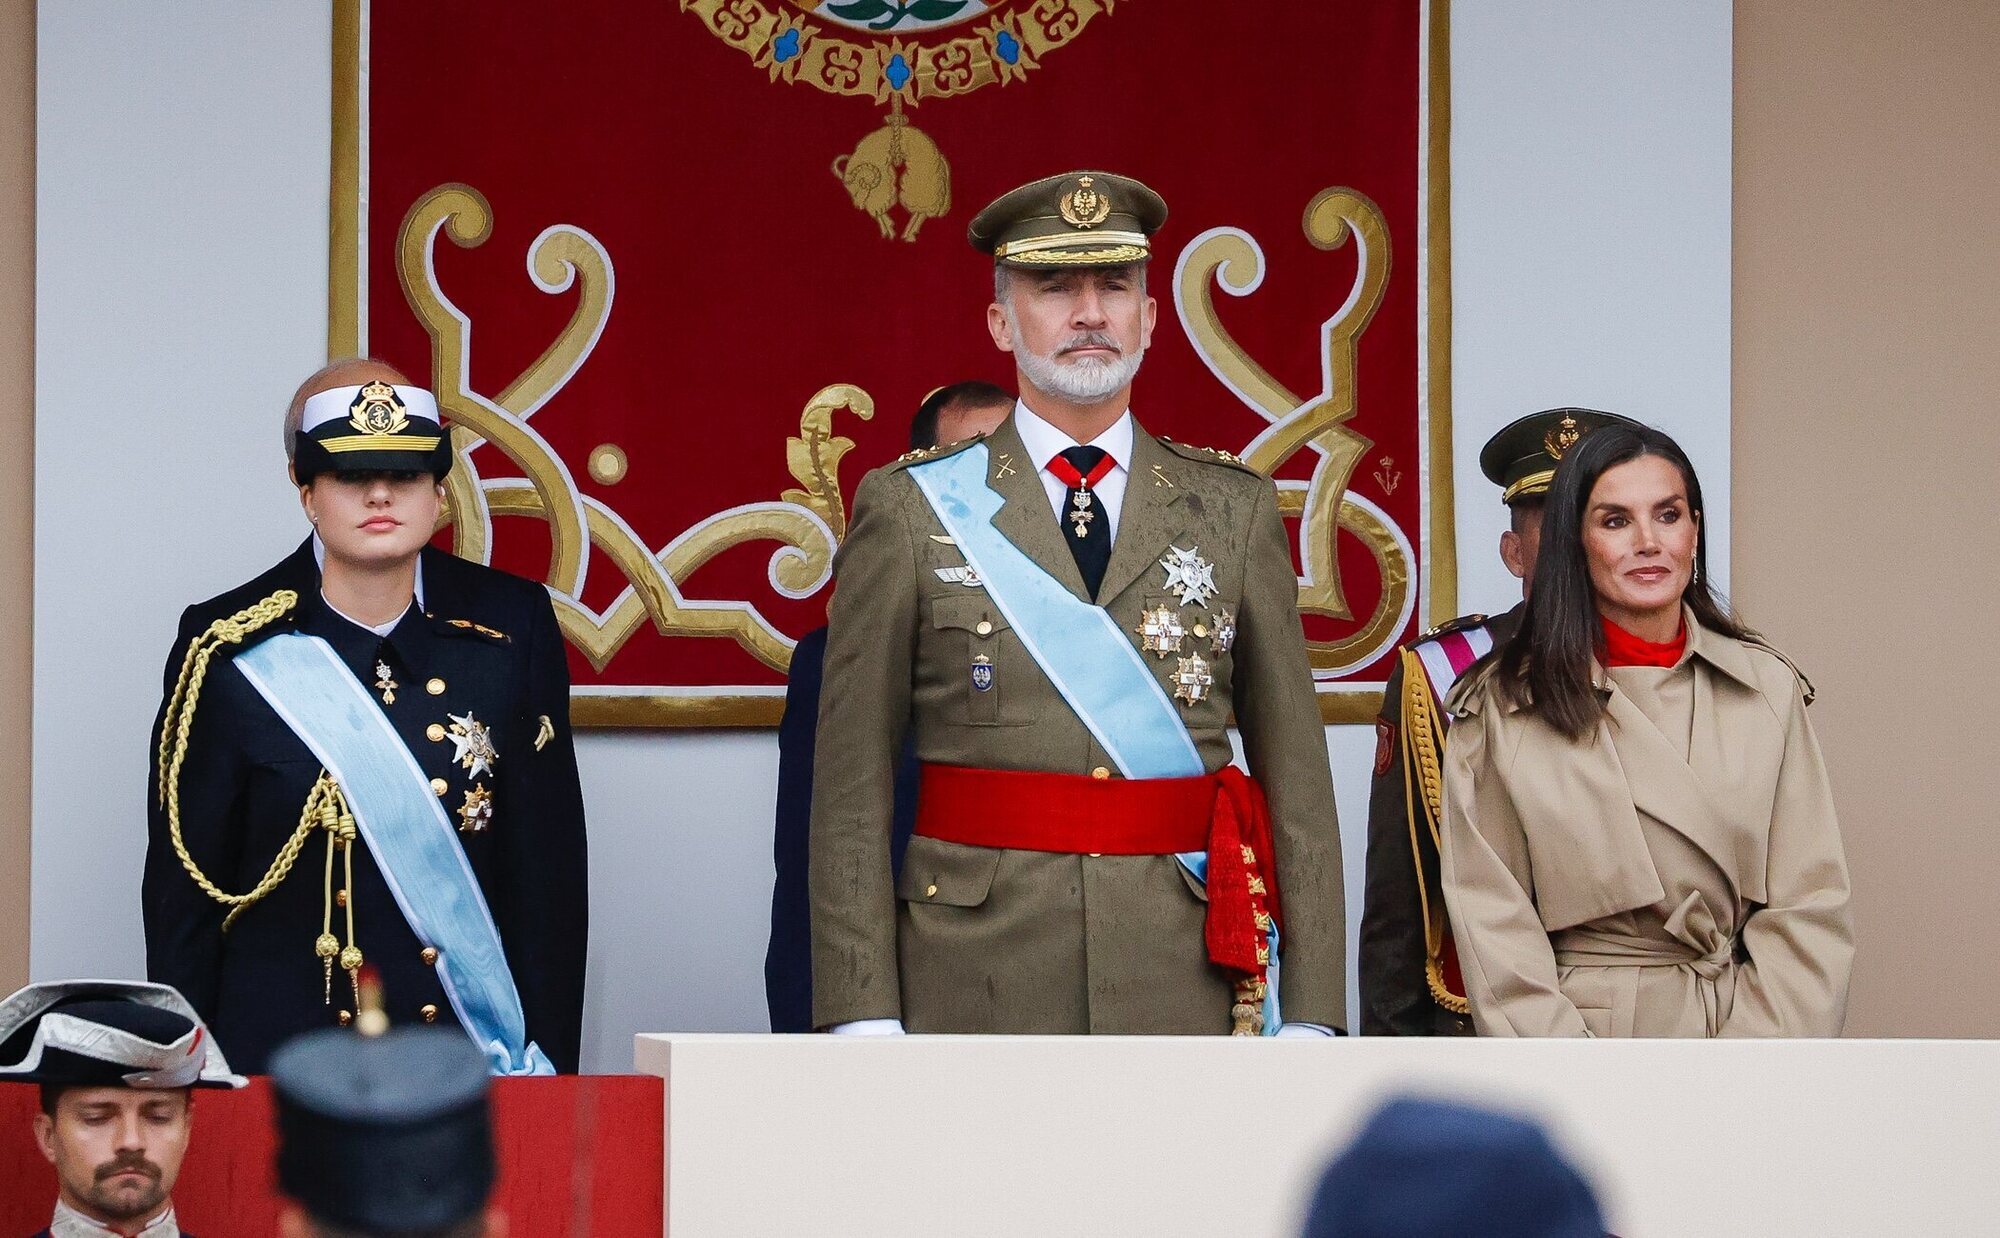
{"points": [[364, 755], [1064, 616], [1410, 983]]}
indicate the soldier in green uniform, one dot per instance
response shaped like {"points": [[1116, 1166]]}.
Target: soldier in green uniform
{"points": [[1410, 984], [1064, 616]]}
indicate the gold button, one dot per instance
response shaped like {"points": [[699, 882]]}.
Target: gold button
{"points": [[1201, 629], [340, 898], [346, 1017], [440, 786], [1100, 773], [930, 891], [1097, 855], [434, 732], [984, 628], [435, 687], [430, 956], [429, 1012]]}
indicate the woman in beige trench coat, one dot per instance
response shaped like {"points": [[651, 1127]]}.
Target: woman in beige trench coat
{"points": [[1639, 836]]}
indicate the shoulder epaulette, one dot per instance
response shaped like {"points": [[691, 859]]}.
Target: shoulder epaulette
{"points": [[1805, 685], [467, 626], [921, 454], [1464, 623], [1208, 455]]}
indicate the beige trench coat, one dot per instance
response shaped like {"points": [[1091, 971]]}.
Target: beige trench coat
{"points": [[976, 939], [1680, 873]]}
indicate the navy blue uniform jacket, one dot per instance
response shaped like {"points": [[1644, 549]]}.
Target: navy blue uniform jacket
{"points": [[246, 777]]}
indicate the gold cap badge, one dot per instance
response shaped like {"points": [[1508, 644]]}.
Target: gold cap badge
{"points": [[377, 409], [1562, 437], [1084, 206]]}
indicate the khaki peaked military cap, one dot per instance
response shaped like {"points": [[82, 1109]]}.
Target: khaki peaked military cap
{"points": [[1078, 219], [1522, 458]]}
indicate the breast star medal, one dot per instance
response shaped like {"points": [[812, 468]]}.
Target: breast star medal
{"points": [[982, 673], [1225, 631], [476, 813], [472, 744], [385, 683], [1192, 680], [1189, 575], [1160, 630]]}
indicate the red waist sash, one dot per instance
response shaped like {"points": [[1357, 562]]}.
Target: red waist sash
{"points": [[1222, 813]]}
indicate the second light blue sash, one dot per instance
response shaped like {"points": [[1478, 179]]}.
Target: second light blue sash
{"points": [[408, 833], [1078, 645]]}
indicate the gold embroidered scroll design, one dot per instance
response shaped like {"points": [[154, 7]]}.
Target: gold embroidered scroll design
{"points": [[806, 523], [1231, 259]]}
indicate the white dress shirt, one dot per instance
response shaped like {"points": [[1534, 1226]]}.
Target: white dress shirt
{"points": [[1044, 443], [379, 629], [69, 1223]]}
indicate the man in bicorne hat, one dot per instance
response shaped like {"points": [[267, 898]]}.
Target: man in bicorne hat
{"points": [[116, 1062], [1410, 985], [1064, 616]]}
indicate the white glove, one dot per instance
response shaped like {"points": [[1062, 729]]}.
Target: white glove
{"points": [[869, 1027], [1303, 1031]]}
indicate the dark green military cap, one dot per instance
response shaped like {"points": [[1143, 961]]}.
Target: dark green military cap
{"points": [[1078, 219], [1522, 458]]}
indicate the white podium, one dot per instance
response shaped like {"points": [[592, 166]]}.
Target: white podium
{"points": [[1042, 1137]]}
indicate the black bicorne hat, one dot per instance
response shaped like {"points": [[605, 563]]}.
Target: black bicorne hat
{"points": [[108, 1033]]}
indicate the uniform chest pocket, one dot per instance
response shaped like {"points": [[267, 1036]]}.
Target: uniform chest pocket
{"points": [[974, 635]]}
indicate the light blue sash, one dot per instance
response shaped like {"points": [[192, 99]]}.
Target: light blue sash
{"points": [[1079, 646], [408, 834]]}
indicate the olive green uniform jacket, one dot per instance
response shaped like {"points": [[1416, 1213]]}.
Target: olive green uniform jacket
{"points": [[1402, 887], [1677, 873], [975, 939]]}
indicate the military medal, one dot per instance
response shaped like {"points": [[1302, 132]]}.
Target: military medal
{"points": [[1081, 508], [476, 813], [1191, 680], [472, 744], [1189, 575], [982, 673], [1160, 630], [1225, 631], [385, 684], [962, 575]]}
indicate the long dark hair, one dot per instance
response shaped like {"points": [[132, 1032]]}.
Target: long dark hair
{"points": [[1546, 665]]}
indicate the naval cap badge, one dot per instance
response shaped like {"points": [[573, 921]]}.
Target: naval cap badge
{"points": [[377, 409], [1084, 206]]}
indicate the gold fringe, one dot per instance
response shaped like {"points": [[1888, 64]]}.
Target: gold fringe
{"points": [[1423, 790]]}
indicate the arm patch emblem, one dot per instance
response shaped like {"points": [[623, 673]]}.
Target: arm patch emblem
{"points": [[1385, 745]]}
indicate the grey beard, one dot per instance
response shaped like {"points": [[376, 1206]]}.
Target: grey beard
{"points": [[1085, 381]]}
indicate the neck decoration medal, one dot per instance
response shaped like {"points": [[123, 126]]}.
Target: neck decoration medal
{"points": [[1080, 514], [385, 683]]}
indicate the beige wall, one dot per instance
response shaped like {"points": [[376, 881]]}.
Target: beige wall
{"points": [[17, 470], [1867, 358], [1867, 518]]}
